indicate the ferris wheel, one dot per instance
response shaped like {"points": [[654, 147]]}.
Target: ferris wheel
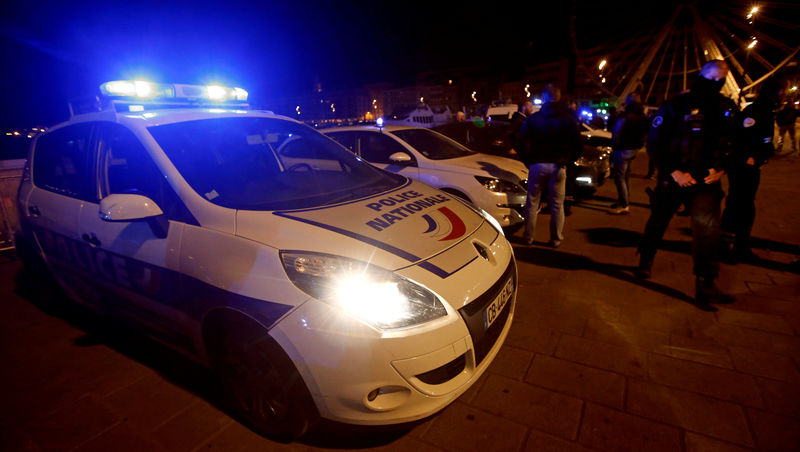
{"points": [[757, 41]]}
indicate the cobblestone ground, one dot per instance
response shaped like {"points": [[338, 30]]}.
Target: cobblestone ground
{"points": [[596, 359]]}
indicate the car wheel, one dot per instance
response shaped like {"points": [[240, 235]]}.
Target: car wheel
{"points": [[260, 383]]}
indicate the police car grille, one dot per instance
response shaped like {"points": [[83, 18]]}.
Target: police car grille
{"points": [[484, 339], [444, 373]]}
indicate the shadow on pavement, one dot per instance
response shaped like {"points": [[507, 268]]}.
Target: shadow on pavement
{"points": [[624, 238], [176, 367], [568, 261]]}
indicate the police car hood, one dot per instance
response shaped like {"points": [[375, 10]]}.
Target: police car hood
{"points": [[392, 229], [482, 165]]}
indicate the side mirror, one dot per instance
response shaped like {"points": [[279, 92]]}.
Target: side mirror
{"points": [[129, 207], [400, 158]]}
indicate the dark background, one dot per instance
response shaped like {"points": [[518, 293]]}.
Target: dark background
{"points": [[55, 51]]}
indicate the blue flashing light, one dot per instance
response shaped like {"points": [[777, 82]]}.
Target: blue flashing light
{"points": [[537, 101], [216, 92], [144, 90], [379, 122]]}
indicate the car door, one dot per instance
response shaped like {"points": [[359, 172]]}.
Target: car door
{"points": [[62, 183], [377, 147], [135, 261]]}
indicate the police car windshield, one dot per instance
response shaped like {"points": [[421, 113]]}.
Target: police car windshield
{"points": [[255, 163], [431, 144]]}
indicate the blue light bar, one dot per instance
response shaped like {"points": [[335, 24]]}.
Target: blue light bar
{"points": [[143, 90]]}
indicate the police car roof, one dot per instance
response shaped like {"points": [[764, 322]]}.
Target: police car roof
{"points": [[167, 116]]}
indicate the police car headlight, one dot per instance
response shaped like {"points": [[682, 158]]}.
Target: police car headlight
{"points": [[379, 297], [499, 185]]}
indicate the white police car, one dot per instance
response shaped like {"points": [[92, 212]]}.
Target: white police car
{"points": [[496, 184], [314, 283]]}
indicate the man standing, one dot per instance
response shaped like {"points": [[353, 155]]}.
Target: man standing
{"points": [[548, 141], [755, 127], [630, 131], [690, 137], [785, 119]]}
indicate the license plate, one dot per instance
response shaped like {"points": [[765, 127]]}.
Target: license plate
{"points": [[492, 312]]}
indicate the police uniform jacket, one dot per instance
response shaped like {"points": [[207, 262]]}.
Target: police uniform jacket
{"points": [[755, 129], [693, 132]]}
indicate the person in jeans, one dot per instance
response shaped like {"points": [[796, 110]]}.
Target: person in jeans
{"points": [[548, 141], [628, 138]]}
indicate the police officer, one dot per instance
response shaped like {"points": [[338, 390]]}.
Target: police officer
{"points": [[755, 127], [690, 137]]}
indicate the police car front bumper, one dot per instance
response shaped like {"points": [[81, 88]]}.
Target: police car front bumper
{"points": [[359, 375]]}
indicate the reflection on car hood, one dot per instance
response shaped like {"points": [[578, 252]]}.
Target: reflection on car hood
{"points": [[482, 165], [393, 230]]}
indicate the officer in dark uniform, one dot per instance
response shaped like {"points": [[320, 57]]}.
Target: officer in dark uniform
{"points": [[755, 127], [690, 137]]}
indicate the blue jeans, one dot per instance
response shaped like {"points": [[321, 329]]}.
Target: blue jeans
{"points": [[554, 177], [621, 171]]}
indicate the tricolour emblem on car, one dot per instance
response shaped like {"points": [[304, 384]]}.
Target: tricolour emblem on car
{"points": [[444, 223]]}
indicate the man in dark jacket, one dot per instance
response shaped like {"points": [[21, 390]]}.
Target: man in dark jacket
{"points": [[628, 138], [548, 141], [691, 135], [755, 127]]}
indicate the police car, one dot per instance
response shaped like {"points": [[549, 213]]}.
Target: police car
{"points": [[314, 283], [496, 184]]}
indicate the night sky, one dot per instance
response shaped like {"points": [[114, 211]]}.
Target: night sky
{"points": [[55, 51]]}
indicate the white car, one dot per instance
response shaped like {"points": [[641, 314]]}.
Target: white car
{"points": [[314, 283], [496, 184]]}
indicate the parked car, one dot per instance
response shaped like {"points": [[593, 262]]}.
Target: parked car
{"points": [[312, 282], [497, 185], [584, 175]]}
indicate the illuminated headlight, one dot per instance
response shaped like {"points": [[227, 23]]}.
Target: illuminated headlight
{"points": [[583, 161], [584, 180], [499, 185], [379, 297]]}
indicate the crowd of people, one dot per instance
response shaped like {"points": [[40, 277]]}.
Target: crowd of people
{"points": [[693, 141]]}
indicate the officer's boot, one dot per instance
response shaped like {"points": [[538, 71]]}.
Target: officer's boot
{"points": [[706, 292], [645, 268]]}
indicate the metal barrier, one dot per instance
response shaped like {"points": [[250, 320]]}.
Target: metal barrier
{"points": [[10, 177]]}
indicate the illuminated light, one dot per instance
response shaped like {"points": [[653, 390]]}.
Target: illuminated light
{"points": [[216, 110], [598, 111], [752, 44], [754, 10], [537, 101], [149, 115], [603, 81], [450, 82], [135, 107], [216, 92], [422, 100], [379, 122], [527, 91], [30, 136], [794, 88], [474, 93], [16, 133], [241, 94], [9, 133], [297, 109], [333, 108], [604, 111], [602, 65], [584, 179]]}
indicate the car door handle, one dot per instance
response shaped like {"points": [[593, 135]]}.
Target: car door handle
{"points": [[92, 239], [33, 210]]}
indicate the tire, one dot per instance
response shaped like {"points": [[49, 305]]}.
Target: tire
{"points": [[261, 385]]}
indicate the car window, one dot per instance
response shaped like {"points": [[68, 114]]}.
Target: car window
{"points": [[433, 145], [346, 139], [63, 162], [255, 163], [376, 147], [127, 168]]}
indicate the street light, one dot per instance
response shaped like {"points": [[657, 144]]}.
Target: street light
{"points": [[602, 65]]}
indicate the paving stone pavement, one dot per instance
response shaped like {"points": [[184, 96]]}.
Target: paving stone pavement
{"points": [[596, 359]]}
